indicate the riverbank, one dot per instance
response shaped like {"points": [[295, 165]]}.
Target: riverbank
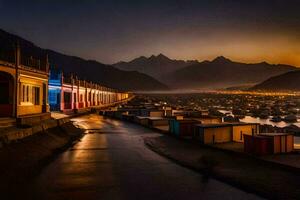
{"points": [[23, 159], [250, 174]]}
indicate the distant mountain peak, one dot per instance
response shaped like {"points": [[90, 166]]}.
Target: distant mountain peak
{"points": [[162, 56], [156, 65], [221, 59], [264, 63], [142, 57], [159, 57], [139, 59]]}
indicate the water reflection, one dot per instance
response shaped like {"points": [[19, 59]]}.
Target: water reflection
{"points": [[249, 119]]}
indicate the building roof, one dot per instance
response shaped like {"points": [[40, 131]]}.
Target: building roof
{"points": [[151, 118], [157, 118], [206, 117], [202, 118], [274, 134], [225, 124], [151, 109], [186, 121], [141, 117]]}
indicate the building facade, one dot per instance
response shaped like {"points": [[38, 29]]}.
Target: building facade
{"points": [[23, 81], [269, 143], [224, 132], [70, 94], [29, 91]]}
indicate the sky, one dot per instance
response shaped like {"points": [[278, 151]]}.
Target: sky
{"points": [[113, 30]]}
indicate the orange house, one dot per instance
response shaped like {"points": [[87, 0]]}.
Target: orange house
{"points": [[23, 83]]}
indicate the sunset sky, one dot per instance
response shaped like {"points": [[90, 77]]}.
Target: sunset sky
{"points": [[114, 30]]}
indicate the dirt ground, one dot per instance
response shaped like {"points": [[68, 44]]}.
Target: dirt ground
{"points": [[290, 159], [251, 174]]}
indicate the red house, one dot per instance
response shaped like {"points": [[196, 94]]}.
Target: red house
{"points": [[269, 143]]}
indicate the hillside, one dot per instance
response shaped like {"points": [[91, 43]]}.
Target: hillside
{"points": [[285, 82], [222, 72], [156, 66], [88, 69], [105, 74]]}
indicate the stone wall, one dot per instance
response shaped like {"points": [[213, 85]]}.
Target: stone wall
{"points": [[12, 134]]}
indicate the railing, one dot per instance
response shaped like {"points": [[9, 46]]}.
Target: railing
{"points": [[30, 57], [31, 62]]}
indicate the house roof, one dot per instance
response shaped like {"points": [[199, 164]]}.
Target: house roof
{"points": [[275, 134], [206, 117], [224, 125], [151, 118], [187, 121]]}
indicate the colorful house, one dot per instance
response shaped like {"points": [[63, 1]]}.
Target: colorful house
{"points": [[224, 132], [158, 122], [28, 90], [151, 113], [141, 120], [70, 94], [269, 143], [55, 86], [23, 83], [213, 133], [182, 128]]}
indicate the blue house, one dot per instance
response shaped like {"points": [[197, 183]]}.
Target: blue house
{"points": [[55, 88], [182, 128]]}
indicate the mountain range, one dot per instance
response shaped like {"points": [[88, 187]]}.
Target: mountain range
{"points": [[106, 75], [157, 66], [218, 73], [285, 82]]}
